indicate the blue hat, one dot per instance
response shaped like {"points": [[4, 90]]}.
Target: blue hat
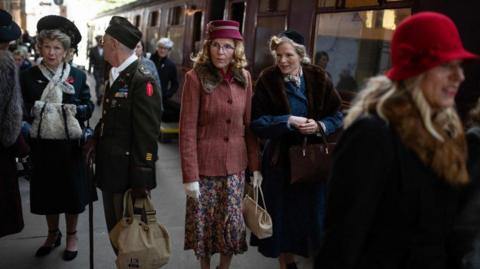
{"points": [[9, 30], [294, 36]]}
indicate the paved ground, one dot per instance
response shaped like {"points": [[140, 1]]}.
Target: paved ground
{"points": [[17, 251]]}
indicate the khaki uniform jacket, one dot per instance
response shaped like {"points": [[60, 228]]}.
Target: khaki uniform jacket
{"points": [[127, 133]]}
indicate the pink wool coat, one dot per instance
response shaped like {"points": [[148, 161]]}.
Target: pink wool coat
{"points": [[215, 137]]}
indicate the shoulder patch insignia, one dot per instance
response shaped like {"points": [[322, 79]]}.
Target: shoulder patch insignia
{"points": [[149, 156], [144, 70], [149, 88]]}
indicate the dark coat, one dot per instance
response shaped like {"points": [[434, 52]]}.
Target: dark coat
{"points": [[296, 210], [58, 183], [386, 208], [11, 145], [96, 61], [167, 70], [127, 133]]}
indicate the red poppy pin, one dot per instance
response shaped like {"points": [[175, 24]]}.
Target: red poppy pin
{"points": [[149, 89], [70, 80]]}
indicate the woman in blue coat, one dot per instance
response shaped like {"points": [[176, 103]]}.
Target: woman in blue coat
{"points": [[292, 99], [58, 183]]}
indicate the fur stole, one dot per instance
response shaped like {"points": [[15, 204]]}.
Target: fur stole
{"points": [[210, 77], [10, 100], [446, 159]]}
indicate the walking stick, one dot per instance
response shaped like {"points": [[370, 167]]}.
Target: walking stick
{"points": [[90, 176]]}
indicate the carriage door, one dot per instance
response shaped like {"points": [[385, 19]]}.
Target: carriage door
{"points": [[236, 12]]}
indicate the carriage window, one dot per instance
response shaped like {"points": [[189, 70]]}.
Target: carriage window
{"points": [[266, 27], [326, 3], [273, 5], [197, 31], [360, 3], [176, 15], [237, 12], [137, 20], [154, 18], [353, 46]]}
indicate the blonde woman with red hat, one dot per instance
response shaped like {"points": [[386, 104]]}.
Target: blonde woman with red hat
{"points": [[216, 146], [400, 168]]}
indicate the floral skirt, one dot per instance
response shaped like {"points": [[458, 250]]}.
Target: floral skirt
{"points": [[214, 223]]}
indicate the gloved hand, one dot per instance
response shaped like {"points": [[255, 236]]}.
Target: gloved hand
{"points": [[81, 112], [192, 189], [256, 179], [295, 121]]}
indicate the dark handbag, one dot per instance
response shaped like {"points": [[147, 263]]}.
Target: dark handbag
{"points": [[311, 162]]}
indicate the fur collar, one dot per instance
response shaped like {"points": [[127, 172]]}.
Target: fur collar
{"points": [[322, 99], [447, 159], [210, 77], [10, 100]]}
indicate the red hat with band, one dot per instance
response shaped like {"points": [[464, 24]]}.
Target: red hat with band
{"points": [[423, 41], [224, 29]]}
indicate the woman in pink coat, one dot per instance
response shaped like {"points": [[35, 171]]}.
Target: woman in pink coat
{"points": [[216, 145]]}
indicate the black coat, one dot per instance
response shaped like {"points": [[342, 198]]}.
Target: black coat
{"points": [[58, 183], [127, 133], [386, 208], [167, 71]]}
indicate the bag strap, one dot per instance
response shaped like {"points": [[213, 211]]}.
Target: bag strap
{"points": [[324, 136], [40, 121], [65, 122], [127, 204], [255, 197], [147, 206]]}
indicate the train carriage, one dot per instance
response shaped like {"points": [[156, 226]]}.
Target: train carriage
{"points": [[353, 34]]}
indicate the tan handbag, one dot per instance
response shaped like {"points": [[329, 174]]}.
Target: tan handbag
{"points": [[141, 245], [257, 218]]}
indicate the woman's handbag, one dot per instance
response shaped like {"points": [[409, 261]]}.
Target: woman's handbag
{"points": [[141, 245], [311, 162], [55, 121], [257, 218]]}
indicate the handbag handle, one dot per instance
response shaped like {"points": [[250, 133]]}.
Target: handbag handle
{"points": [[40, 121], [255, 197], [147, 205], [324, 140]]}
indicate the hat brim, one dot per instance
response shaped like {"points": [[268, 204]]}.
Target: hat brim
{"points": [[8, 34], [231, 34], [405, 72], [63, 24]]}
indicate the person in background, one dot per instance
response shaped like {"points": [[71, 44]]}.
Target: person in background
{"points": [[322, 59], [167, 71], [400, 169], [12, 143], [125, 141], [139, 51], [217, 146], [97, 61], [21, 58], [292, 99], [58, 183]]}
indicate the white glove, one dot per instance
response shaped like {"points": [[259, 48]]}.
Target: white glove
{"points": [[192, 189], [256, 179], [294, 121]]}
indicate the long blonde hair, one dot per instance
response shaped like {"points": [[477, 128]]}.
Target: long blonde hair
{"points": [[379, 89]]}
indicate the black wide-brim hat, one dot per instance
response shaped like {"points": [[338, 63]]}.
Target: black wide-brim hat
{"points": [[9, 30], [52, 22]]}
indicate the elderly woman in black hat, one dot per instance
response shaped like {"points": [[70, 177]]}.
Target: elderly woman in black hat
{"points": [[57, 100], [12, 143], [293, 100]]}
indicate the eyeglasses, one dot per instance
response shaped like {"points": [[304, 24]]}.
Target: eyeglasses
{"points": [[218, 47]]}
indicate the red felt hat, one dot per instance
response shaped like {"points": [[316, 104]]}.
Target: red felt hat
{"points": [[424, 41], [224, 29]]}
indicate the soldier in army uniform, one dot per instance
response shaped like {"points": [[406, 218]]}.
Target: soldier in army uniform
{"points": [[126, 136]]}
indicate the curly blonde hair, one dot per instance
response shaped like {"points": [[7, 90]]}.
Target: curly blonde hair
{"points": [[276, 41], [60, 36], [239, 59]]}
